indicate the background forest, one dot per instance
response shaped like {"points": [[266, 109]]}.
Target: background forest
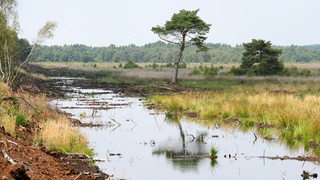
{"points": [[161, 52]]}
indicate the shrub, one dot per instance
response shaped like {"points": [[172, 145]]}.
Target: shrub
{"points": [[154, 65], [294, 71], [211, 71], [169, 64], [183, 66], [195, 71], [130, 65]]}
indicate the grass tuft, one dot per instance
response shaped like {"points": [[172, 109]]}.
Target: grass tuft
{"points": [[60, 135]]}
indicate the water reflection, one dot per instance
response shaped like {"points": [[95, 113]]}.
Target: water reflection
{"points": [[189, 153], [153, 146]]}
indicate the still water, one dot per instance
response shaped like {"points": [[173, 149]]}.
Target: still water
{"points": [[138, 143]]}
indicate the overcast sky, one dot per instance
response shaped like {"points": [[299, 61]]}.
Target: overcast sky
{"points": [[124, 22]]}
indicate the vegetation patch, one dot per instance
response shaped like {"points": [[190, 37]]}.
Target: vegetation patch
{"points": [[60, 135], [296, 115]]}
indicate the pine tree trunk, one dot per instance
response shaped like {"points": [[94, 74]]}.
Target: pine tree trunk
{"points": [[176, 63], [175, 74]]}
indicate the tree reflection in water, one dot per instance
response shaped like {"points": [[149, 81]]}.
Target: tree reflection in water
{"points": [[188, 152]]}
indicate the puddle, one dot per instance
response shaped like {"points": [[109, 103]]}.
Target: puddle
{"points": [[138, 143]]}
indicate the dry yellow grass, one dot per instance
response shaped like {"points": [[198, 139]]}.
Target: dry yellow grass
{"points": [[56, 132], [60, 135], [297, 115], [8, 122]]}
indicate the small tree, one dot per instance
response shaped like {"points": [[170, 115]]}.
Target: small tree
{"points": [[184, 29], [260, 58], [15, 52]]}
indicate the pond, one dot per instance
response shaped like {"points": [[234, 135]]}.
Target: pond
{"points": [[135, 142]]}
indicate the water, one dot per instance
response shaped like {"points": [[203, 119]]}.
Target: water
{"points": [[137, 143]]}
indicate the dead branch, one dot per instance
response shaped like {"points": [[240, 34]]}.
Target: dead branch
{"points": [[164, 88], [7, 157], [12, 142], [115, 121], [255, 138], [78, 176]]}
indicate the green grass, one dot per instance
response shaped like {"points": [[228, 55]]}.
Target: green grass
{"points": [[213, 153]]}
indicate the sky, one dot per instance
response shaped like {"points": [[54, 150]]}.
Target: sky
{"points": [[125, 22]]}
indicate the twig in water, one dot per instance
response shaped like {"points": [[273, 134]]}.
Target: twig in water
{"points": [[112, 119], [133, 121], [155, 119], [255, 138], [193, 137]]}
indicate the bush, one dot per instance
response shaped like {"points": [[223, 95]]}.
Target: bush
{"points": [[211, 71], [294, 71], [195, 71], [183, 66], [236, 71], [130, 65], [169, 65], [154, 65]]}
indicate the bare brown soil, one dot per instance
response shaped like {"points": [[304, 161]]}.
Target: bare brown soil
{"points": [[21, 159], [30, 161]]}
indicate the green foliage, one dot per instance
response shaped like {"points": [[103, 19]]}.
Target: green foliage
{"points": [[160, 52], [206, 71], [183, 66], [186, 23], [130, 65], [195, 71], [210, 71], [16, 52], [169, 65], [21, 120], [213, 153], [154, 65], [173, 113], [294, 71], [260, 58], [184, 29]]}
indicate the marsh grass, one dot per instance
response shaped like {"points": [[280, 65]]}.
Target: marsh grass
{"points": [[297, 116], [60, 135]]}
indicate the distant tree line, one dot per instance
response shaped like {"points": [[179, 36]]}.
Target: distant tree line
{"points": [[161, 52]]}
